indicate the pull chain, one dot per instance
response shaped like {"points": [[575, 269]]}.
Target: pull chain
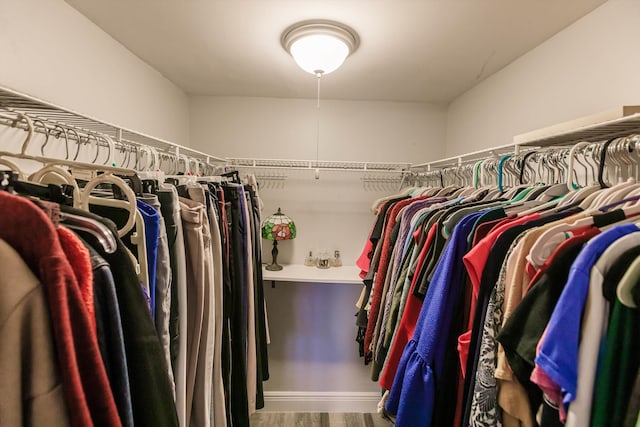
{"points": [[317, 171]]}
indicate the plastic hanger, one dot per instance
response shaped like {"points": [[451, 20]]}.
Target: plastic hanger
{"points": [[154, 173], [101, 232], [135, 218], [579, 194], [629, 280], [13, 167], [58, 162], [501, 172], [629, 212], [130, 205], [49, 174], [623, 161]]}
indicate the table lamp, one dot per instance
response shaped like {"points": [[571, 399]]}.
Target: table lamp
{"points": [[277, 227]]}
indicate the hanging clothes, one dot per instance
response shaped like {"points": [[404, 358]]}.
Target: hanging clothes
{"points": [[163, 352], [481, 315]]}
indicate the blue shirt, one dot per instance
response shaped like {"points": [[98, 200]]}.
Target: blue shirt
{"points": [[558, 355], [151, 220], [412, 395]]}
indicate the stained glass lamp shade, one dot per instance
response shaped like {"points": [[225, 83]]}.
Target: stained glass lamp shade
{"points": [[277, 227]]}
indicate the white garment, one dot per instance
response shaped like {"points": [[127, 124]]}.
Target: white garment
{"points": [[203, 387], [593, 330], [181, 269], [219, 413]]}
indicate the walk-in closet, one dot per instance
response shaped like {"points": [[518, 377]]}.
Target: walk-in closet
{"points": [[319, 213]]}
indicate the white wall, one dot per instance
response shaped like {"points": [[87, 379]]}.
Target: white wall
{"points": [[286, 128], [313, 350], [589, 67], [313, 329], [52, 52], [349, 131]]}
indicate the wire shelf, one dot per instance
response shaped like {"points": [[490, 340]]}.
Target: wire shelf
{"points": [[324, 165], [38, 109]]}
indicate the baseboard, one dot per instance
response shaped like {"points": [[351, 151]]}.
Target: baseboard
{"points": [[320, 401]]}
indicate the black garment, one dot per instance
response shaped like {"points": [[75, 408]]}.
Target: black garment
{"points": [[238, 398], [374, 238], [550, 414], [151, 392], [524, 328], [489, 278], [261, 328], [109, 333], [225, 235], [446, 398], [440, 241], [378, 228], [167, 209], [433, 254]]}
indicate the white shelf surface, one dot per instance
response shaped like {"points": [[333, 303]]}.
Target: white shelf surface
{"points": [[347, 274]]}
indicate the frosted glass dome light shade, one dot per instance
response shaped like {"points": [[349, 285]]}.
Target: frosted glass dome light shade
{"points": [[319, 47], [319, 53]]}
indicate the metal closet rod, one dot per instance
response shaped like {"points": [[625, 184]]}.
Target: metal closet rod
{"points": [[323, 165], [38, 109], [473, 156]]}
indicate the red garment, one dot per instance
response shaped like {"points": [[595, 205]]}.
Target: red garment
{"points": [[78, 257], [580, 236], [474, 262], [409, 318], [364, 260], [381, 274], [88, 394]]}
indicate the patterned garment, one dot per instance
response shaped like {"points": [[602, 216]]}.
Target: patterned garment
{"points": [[485, 411]]}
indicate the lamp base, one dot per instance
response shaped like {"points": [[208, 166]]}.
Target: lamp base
{"points": [[274, 266]]}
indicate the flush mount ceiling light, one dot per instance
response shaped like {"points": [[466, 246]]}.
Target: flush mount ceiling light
{"points": [[319, 46]]}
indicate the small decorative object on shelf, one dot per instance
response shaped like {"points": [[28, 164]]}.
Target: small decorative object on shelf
{"points": [[309, 260], [324, 260], [277, 227], [336, 261]]}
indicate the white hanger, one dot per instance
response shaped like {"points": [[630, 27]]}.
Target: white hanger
{"points": [[134, 219], [624, 290], [154, 171], [581, 193]]}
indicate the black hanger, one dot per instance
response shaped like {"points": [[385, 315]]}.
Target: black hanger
{"points": [[149, 186], [60, 194], [134, 182], [234, 175], [172, 181], [7, 180], [524, 163], [603, 157]]}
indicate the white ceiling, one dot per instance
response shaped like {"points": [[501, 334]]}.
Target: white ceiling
{"points": [[411, 50]]}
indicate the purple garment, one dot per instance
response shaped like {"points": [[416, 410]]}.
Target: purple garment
{"points": [[405, 227], [558, 356], [413, 394]]}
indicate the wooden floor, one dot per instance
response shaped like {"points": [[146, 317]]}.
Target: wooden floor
{"points": [[317, 419]]}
